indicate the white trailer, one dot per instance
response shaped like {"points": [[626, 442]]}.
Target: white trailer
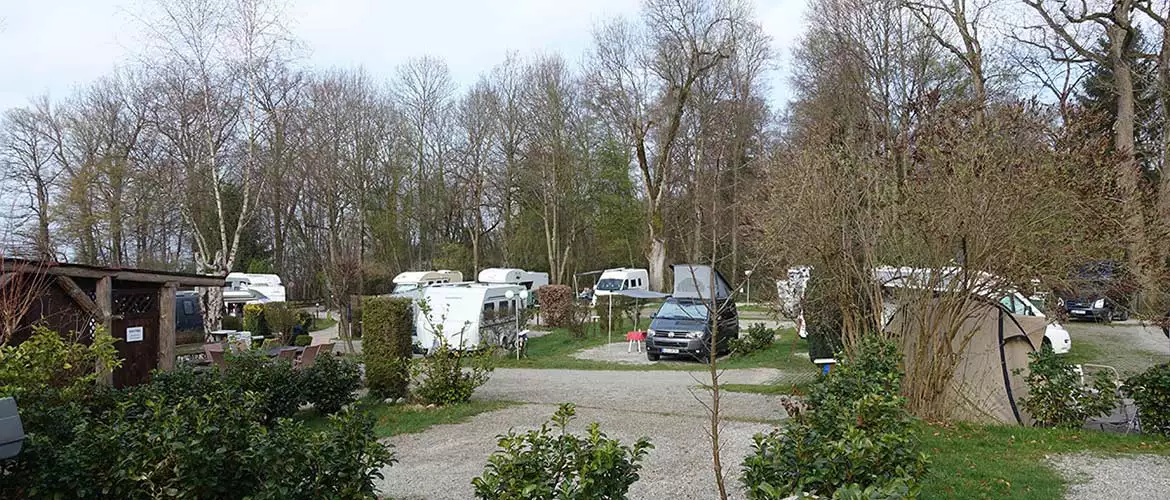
{"points": [[530, 280], [409, 283], [468, 315]]}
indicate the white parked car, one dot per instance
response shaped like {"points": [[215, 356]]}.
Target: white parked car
{"points": [[1055, 335]]}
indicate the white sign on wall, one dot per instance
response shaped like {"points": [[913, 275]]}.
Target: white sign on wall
{"points": [[134, 334]]}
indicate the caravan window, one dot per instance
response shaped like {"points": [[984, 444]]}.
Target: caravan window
{"points": [[506, 308], [188, 307], [609, 284]]}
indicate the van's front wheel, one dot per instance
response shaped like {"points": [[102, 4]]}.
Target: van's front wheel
{"points": [[652, 356]]}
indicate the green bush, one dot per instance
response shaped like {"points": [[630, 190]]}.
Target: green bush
{"points": [[254, 321], [303, 340], [552, 463], [1150, 390], [856, 431], [757, 338], [387, 323], [448, 376], [1056, 397], [340, 463], [305, 319], [186, 434], [232, 323], [556, 304], [279, 388], [330, 383], [280, 320]]}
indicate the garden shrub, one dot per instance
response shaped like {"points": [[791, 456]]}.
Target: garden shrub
{"points": [[342, 462], [448, 376], [551, 463], [1150, 390], [278, 386], [231, 323], [280, 320], [386, 344], [556, 302], [856, 430], [624, 309], [330, 383], [254, 321], [186, 434], [305, 319], [757, 338], [303, 340], [49, 361], [1056, 397]]}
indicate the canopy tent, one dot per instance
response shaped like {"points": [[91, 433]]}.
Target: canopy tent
{"points": [[635, 294]]}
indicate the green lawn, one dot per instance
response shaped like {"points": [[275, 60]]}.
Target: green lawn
{"points": [[977, 462], [392, 420], [322, 323], [556, 350]]}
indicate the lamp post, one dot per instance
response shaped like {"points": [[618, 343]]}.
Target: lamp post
{"points": [[748, 273]]}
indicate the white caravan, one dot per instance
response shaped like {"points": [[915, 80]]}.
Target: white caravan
{"points": [[467, 315], [622, 278], [409, 283], [530, 280], [245, 288]]}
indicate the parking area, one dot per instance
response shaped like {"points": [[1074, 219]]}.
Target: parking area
{"points": [[1130, 346]]}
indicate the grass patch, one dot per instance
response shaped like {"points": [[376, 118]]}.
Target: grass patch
{"points": [[556, 350], [798, 385], [392, 420], [977, 462], [1085, 351], [322, 323]]}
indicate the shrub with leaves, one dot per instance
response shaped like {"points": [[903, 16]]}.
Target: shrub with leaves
{"points": [[856, 430], [556, 302], [448, 376], [47, 360], [305, 319], [330, 383], [1150, 390], [757, 338], [551, 463], [386, 344], [254, 321], [1056, 397], [278, 386], [303, 340], [232, 323], [280, 320]]}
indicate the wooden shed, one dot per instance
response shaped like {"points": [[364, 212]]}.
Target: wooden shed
{"points": [[136, 306]]}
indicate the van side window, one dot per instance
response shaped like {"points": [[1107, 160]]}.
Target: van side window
{"points": [[188, 308]]}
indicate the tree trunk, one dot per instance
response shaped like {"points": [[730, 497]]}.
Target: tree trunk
{"points": [[1129, 176]]}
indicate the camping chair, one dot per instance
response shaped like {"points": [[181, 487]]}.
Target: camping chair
{"points": [[214, 353], [289, 354], [1124, 418], [309, 357]]}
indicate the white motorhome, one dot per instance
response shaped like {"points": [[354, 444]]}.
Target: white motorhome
{"points": [[409, 283], [622, 278], [467, 315], [530, 280], [243, 288]]}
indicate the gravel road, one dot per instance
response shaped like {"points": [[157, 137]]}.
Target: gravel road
{"points": [[440, 463], [1109, 478]]}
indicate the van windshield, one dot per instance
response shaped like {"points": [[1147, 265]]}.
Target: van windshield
{"points": [[405, 287], [676, 310], [610, 284]]}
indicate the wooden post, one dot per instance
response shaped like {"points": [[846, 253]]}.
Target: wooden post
{"points": [[104, 298], [166, 326]]}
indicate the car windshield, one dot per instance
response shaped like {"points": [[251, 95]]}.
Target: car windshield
{"points": [[405, 287], [610, 284], [676, 310]]}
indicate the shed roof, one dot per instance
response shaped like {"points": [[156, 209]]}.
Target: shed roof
{"points": [[117, 273]]}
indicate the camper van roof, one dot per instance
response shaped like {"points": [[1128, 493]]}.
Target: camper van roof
{"points": [[697, 281], [423, 276], [268, 279], [500, 275]]}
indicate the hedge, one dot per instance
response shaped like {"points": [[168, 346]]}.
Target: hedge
{"points": [[387, 323], [556, 304]]}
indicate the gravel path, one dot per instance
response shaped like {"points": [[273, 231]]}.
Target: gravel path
{"points": [[1110, 478], [440, 463]]}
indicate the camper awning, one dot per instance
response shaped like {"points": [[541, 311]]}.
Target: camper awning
{"points": [[641, 294]]}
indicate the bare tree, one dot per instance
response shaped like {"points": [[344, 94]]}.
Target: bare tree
{"points": [[643, 79], [28, 159]]}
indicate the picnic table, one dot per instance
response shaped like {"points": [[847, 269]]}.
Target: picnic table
{"points": [[275, 351]]}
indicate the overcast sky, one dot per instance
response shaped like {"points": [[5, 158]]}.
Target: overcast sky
{"points": [[53, 46]]}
